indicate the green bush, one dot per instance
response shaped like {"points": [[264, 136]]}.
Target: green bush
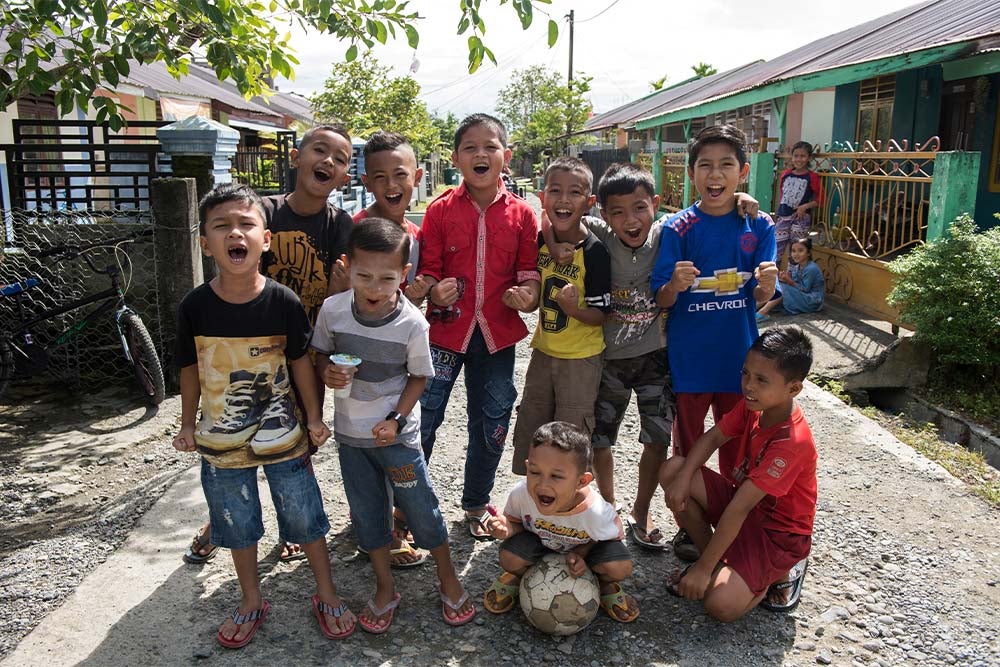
{"points": [[949, 290]]}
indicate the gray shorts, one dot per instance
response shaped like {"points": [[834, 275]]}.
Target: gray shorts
{"points": [[528, 546], [648, 376]]}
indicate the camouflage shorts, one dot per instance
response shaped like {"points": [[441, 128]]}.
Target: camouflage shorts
{"points": [[649, 377]]}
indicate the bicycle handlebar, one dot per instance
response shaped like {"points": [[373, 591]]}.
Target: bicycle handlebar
{"points": [[74, 250]]}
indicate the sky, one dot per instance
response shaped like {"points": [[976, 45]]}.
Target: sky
{"points": [[622, 44]]}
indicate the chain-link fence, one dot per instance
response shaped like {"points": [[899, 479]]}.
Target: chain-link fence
{"points": [[88, 354]]}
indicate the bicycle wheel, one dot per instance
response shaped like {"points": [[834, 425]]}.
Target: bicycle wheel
{"points": [[145, 361], [6, 364]]}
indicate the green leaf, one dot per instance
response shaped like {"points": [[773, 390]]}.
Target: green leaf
{"points": [[110, 73], [553, 33], [352, 53], [100, 13], [525, 13], [412, 36]]}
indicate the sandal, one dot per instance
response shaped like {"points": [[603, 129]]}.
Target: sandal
{"points": [[406, 550], [390, 607], [289, 548], [462, 619], [794, 587], [505, 589], [320, 609], [256, 617], [652, 540], [672, 585], [194, 554], [684, 547], [473, 520], [617, 599]]}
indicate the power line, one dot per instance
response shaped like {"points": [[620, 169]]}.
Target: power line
{"points": [[518, 49], [600, 12]]}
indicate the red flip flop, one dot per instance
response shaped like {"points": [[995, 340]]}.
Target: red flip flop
{"points": [[455, 606], [256, 617], [320, 609]]}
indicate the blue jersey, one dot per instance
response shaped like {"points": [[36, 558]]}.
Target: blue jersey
{"points": [[712, 324]]}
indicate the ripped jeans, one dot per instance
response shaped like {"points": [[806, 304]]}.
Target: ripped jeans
{"points": [[234, 503], [489, 386]]}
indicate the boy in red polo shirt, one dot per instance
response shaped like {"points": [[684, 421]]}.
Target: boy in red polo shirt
{"points": [[763, 516], [478, 252]]}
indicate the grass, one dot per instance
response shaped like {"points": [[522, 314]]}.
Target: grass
{"points": [[966, 465]]}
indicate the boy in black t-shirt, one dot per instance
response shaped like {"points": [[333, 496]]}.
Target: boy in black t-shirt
{"points": [[241, 339]]}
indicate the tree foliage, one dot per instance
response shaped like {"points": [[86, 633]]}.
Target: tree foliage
{"points": [[541, 111], [446, 127], [75, 47], [701, 70], [365, 96]]}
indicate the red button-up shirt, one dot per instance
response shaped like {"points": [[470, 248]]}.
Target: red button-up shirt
{"points": [[489, 251]]}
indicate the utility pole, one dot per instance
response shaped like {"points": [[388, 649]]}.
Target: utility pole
{"points": [[570, 17]]}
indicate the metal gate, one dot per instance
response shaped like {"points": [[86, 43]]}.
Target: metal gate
{"points": [[599, 161]]}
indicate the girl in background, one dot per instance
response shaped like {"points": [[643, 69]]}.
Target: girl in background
{"points": [[801, 191], [801, 285]]}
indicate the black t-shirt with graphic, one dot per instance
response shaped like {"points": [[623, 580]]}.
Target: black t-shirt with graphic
{"points": [[304, 249], [249, 415]]}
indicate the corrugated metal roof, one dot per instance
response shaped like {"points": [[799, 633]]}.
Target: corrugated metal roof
{"points": [[290, 104], [921, 26], [198, 83]]}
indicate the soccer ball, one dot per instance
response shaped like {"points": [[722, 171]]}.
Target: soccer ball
{"points": [[556, 602]]}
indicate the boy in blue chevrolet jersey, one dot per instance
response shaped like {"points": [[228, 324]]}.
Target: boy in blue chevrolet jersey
{"points": [[715, 267]]}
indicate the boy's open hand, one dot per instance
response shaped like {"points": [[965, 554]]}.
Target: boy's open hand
{"points": [[767, 275], [417, 290], [568, 298], [520, 297], [445, 293], [747, 205], [576, 564], [318, 432], [184, 441], [385, 432], [498, 527], [683, 277]]}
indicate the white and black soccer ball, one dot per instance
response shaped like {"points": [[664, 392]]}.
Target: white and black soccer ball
{"points": [[556, 602]]}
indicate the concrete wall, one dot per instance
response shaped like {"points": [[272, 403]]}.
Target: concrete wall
{"points": [[817, 116]]}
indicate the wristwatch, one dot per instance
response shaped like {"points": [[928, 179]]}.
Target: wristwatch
{"points": [[398, 418]]}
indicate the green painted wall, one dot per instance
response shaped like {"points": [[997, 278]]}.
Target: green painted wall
{"points": [[845, 112], [916, 110], [987, 203]]}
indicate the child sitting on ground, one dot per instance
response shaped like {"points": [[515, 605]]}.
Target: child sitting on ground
{"points": [[377, 426], [801, 191], [803, 289], [239, 339], [763, 518], [565, 368], [556, 510]]}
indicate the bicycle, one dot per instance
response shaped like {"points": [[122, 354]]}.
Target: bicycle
{"points": [[23, 353]]}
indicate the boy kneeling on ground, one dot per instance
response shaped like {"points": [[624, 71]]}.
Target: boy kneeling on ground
{"points": [[762, 511]]}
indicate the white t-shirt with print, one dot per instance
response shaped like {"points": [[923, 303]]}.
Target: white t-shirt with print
{"points": [[593, 520]]}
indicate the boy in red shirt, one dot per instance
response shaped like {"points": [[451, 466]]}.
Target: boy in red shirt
{"points": [[763, 519], [479, 254]]}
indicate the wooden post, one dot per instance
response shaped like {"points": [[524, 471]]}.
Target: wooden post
{"points": [[780, 106], [953, 190], [687, 179], [658, 161]]}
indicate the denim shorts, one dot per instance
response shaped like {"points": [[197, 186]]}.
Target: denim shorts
{"points": [[374, 479], [234, 503]]}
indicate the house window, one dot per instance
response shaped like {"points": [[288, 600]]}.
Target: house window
{"points": [[875, 109]]}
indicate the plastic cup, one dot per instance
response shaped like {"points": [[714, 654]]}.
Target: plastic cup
{"points": [[348, 363]]}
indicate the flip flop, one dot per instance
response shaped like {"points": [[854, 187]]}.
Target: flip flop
{"points": [[652, 540], [293, 555], [794, 584], [473, 523], [455, 606], [506, 587], [320, 609], [390, 607], [672, 585], [617, 598], [194, 556], [407, 548], [256, 617], [761, 318]]}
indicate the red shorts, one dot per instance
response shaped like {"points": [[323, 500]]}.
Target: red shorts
{"points": [[760, 555], [689, 422]]}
